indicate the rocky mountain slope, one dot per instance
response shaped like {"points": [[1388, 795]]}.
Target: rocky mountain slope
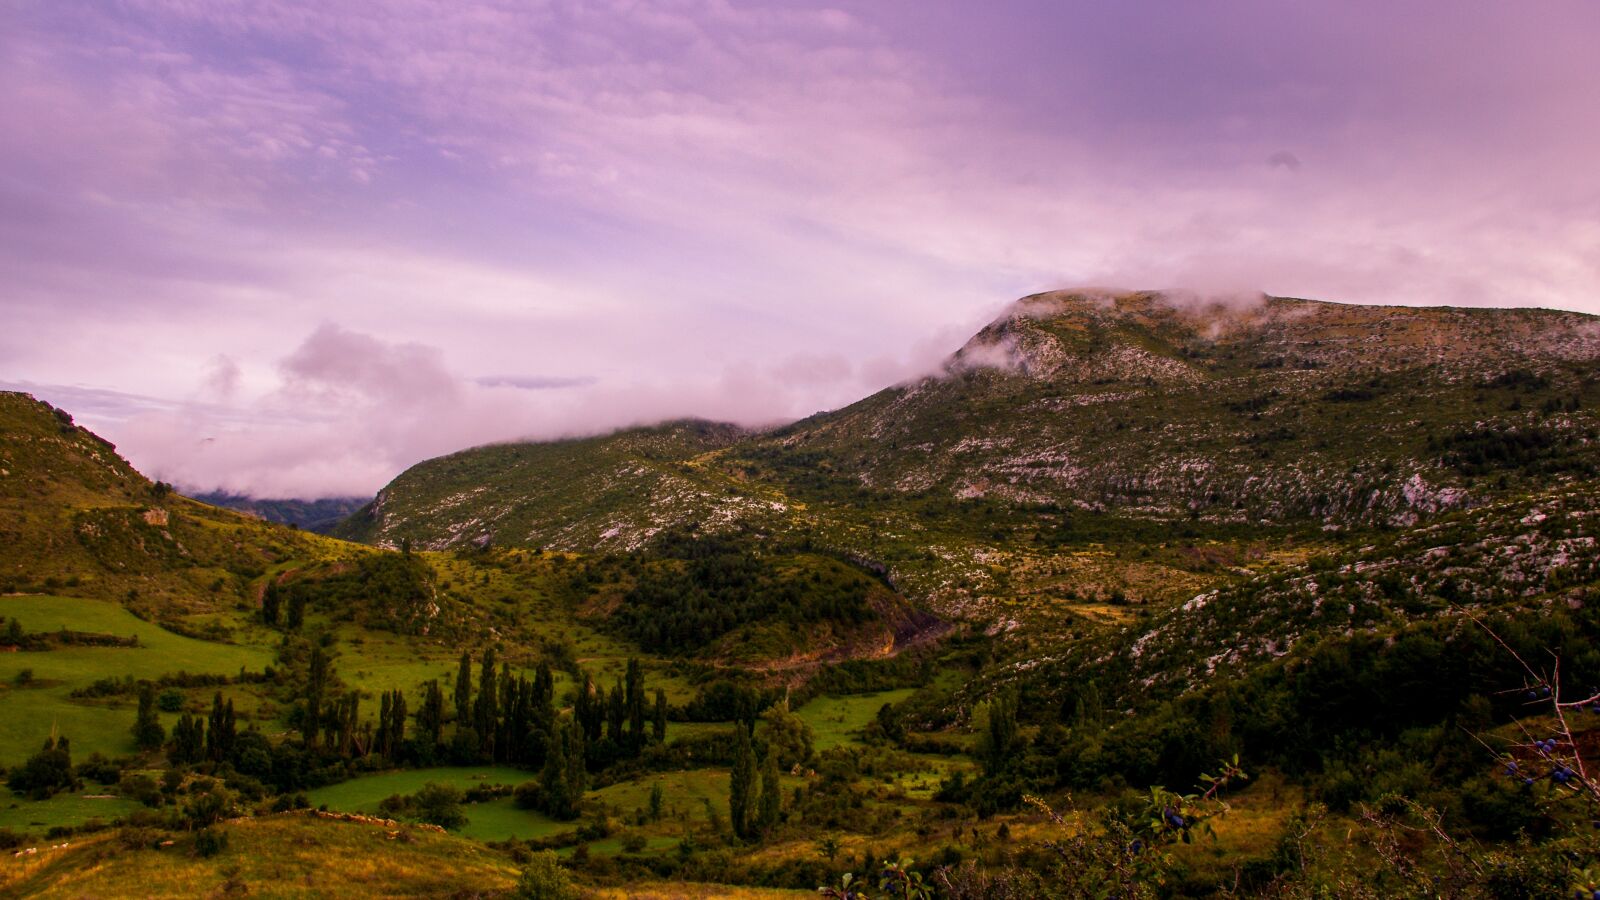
{"points": [[1082, 452]]}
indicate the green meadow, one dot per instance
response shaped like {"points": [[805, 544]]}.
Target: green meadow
{"points": [[32, 817], [839, 720], [493, 820], [32, 709]]}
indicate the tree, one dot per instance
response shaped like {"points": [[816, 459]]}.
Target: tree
{"points": [[188, 744], [316, 685], [270, 602], [147, 731], [657, 801], [998, 741], [485, 713], [786, 735], [46, 772], [220, 730], [297, 610], [439, 804], [659, 721], [544, 879], [771, 804], [430, 718], [464, 690], [392, 725], [563, 779], [589, 710], [616, 714], [742, 786], [634, 699]]}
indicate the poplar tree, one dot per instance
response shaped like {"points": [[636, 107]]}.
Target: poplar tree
{"points": [[270, 601], [616, 713], [635, 703], [485, 715], [430, 718], [742, 786], [316, 686], [659, 723], [464, 690], [771, 805], [147, 731]]}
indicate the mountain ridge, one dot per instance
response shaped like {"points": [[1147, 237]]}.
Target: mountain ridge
{"points": [[1128, 411]]}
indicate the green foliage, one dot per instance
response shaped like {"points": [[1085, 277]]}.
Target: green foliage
{"points": [[46, 772], [436, 803], [690, 590], [389, 591], [544, 879], [147, 731], [208, 842], [743, 788], [785, 737]]}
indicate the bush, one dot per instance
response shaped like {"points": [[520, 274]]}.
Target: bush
{"points": [[141, 787], [99, 770], [528, 795], [436, 804], [208, 842], [544, 879], [46, 772]]}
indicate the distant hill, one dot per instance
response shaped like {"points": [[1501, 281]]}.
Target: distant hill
{"points": [[312, 515]]}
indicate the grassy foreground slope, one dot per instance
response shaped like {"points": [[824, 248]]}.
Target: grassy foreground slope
{"points": [[293, 855]]}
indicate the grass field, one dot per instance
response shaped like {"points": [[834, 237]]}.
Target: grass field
{"points": [[30, 817], [495, 820], [29, 712], [686, 793], [839, 720]]}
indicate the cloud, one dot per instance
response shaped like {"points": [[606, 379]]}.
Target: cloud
{"points": [[729, 209], [347, 411]]}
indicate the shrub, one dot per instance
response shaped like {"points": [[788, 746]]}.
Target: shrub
{"points": [[208, 842], [544, 879]]}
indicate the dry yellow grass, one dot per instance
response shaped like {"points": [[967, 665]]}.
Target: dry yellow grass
{"points": [[669, 890], [277, 856]]}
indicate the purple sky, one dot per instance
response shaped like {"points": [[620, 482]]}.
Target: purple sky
{"points": [[290, 248]]}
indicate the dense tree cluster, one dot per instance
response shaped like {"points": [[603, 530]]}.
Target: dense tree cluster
{"points": [[689, 590], [46, 772], [385, 590]]}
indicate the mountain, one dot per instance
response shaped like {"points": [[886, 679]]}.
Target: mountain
{"points": [[76, 517], [560, 494], [1081, 448], [319, 515]]}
